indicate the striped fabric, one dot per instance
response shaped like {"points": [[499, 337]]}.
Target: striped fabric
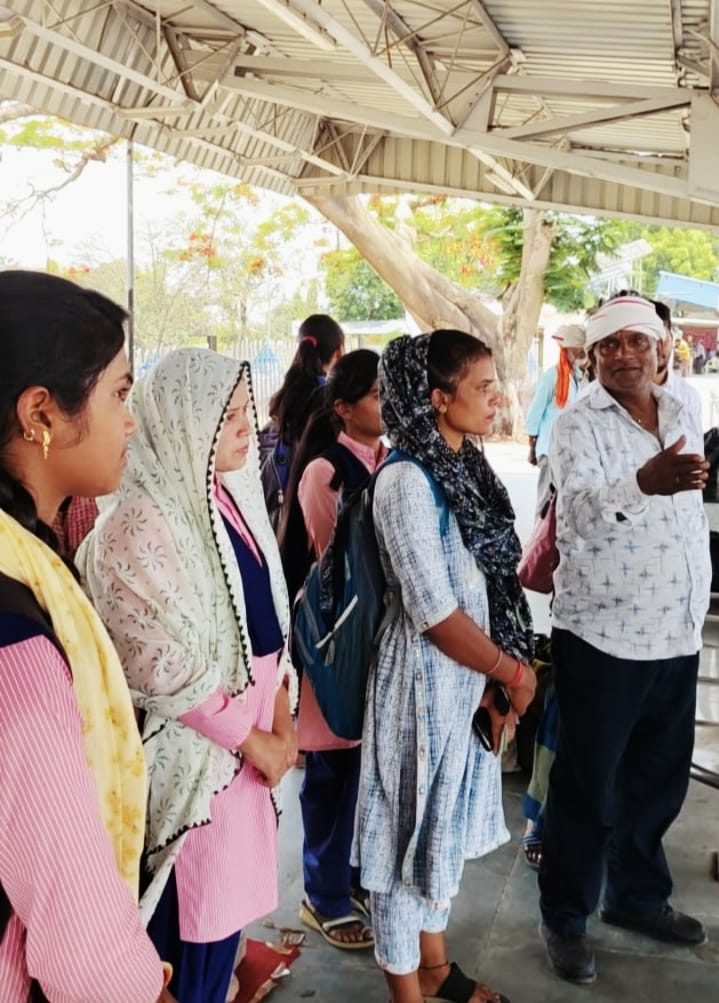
{"points": [[76, 929]]}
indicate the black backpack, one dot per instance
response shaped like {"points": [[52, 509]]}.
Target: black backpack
{"points": [[275, 461], [296, 552], [344, 610]]}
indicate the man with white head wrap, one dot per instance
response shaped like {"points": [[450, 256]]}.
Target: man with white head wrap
{"points": [[631, 593], [556, 390]]}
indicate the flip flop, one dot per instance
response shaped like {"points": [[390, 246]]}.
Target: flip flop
{"points": [[532, 849], [327, 927], [459, 988]]}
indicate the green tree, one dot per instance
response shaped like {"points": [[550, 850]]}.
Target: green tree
{"points": [[576, 242], [244, 259], [354, 289], [694, 253]]}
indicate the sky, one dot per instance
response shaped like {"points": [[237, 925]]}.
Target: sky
{"points": [[89, 216]]}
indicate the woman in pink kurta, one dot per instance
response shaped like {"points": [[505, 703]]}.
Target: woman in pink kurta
{"points": [[339, 451], [185, 570], [70, 929]]}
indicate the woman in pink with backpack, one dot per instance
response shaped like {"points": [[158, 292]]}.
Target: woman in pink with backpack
{"points": [[339, 451]]}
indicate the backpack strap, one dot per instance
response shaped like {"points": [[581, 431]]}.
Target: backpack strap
{"points": [[19, 601], [350, 473], [440, 498]]}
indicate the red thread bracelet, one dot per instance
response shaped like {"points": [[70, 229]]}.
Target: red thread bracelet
{"points": [[514, 682]]}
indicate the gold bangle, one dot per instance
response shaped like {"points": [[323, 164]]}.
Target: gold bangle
{"points": [[496, 665]]}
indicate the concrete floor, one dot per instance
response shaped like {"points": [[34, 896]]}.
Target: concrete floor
{"points": [[493, 926]]}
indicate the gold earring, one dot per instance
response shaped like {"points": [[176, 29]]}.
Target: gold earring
{"points": [[46, 440], [28, 436]]}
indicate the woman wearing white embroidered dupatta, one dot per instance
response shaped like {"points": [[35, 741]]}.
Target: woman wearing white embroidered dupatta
{"points": [[184, 569]]}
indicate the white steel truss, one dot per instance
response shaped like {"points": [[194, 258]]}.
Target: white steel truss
{"points": [[605, 107]]}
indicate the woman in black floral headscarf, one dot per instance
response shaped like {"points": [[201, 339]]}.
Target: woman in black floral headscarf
{"points": [[430, 794]]}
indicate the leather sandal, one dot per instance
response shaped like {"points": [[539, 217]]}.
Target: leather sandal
{"points": [[329, 927], [360, 902], [459, 988]]}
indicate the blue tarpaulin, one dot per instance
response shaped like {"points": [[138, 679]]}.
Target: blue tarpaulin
{"points": [[695, 291]]}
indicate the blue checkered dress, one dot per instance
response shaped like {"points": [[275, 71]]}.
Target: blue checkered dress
{"points": [[430, 797]]}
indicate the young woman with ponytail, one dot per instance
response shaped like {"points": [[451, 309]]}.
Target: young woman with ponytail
{"points": [[320, 344], [557, 388], [339, 451], [72, 770]]}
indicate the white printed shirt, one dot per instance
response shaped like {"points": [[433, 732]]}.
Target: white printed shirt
{"points": [[634, 572], [678, 387]]}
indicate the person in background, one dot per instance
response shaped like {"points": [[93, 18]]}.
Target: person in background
{"points": [[75, 519], [339, 451], [700, 357], [683, 354], [72, 772], [321, 343], [430, 792], [557, 388], [669, 378], [631, 594], [184, 567]]}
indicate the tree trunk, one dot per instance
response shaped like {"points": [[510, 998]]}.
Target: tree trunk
{"points": [[431, 298], [522, 305], [436, 301]]}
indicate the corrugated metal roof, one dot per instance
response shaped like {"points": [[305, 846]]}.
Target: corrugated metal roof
{"points": [[347, 95]]}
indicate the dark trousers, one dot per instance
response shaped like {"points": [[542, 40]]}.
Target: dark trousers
{"points": [[621, 773], [328, 797], [201, 972]]}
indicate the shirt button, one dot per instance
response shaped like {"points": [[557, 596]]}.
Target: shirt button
{"points": [[421, 791], [421, 754]]}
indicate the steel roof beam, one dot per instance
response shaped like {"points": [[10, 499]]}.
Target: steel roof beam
{"points": [[713, 40], [405, 36], [311, 69], [563, 88], [486, 18], [588, 120], [95, 58], [487, 144], [376, 65], [185, 75], [317, 103], [262, 137]]}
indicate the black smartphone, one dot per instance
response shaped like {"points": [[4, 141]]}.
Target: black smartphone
{"points": [[481, 721]]}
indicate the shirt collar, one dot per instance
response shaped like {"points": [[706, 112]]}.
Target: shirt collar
{"points": [[669, 407], [363, 452]]}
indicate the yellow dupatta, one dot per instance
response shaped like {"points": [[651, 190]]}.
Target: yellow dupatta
{"points": [[113, 749]]}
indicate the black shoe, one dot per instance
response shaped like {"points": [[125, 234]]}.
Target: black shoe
{"points": [[666, 924], [572, 958]]}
